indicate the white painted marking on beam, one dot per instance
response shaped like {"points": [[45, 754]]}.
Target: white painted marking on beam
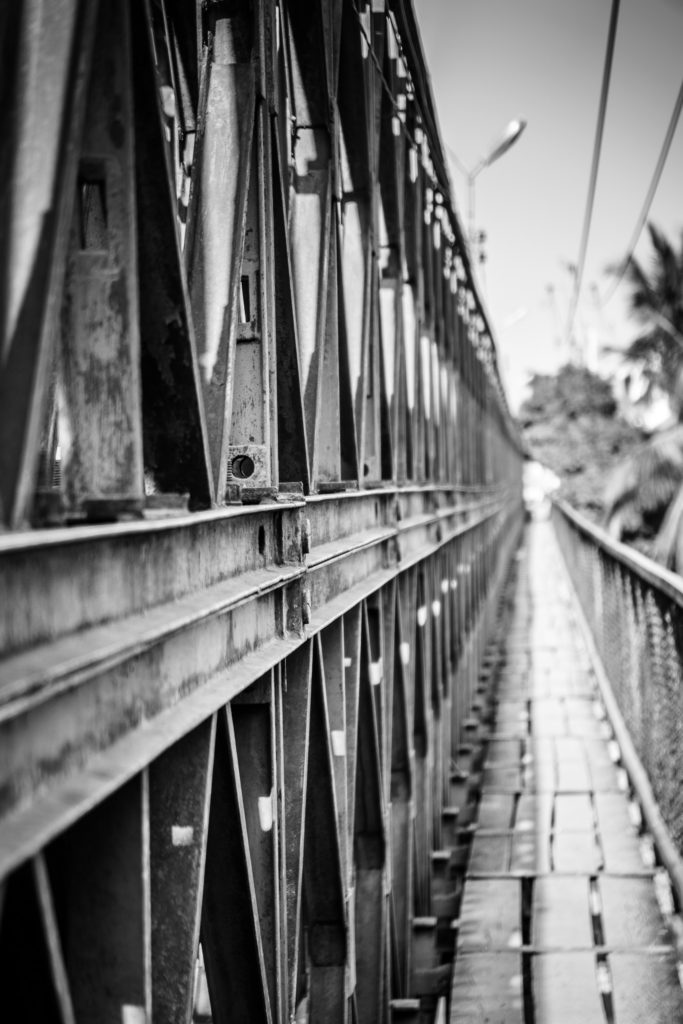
{"points": [[265, 812], [182, 835], [647, 851], [376, 672], [436, 609], [348, 662], [338, 743], [634, 814], [412, 163], [622, 779], [133, 1014], [168, 103], [454, 584], [364, 19], [444, 586], [392, 43], [404, 652], [422, 615], [663, 893], [595, 903], [604, 978], [613, 750], [515, 940]]}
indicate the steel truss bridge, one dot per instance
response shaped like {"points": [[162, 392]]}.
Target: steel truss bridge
{"points": [[260, 490]]}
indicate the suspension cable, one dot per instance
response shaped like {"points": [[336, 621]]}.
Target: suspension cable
{"points": [[642, 217], [597, 146]]}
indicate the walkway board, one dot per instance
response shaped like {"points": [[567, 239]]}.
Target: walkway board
{"points": [[561, 913], [490, 854], [495, 811], [630, 913], [566, 989], [487, 989], [491, 915], [617, 833], [559, 906], [645, 988], [530, 854]]}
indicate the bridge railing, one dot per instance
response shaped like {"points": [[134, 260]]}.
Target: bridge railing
{"points": [[633, 610]]}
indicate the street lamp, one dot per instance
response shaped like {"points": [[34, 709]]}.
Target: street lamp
{"points": [[512, 132]]}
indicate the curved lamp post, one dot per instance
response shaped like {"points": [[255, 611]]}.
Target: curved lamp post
{"points": [[512, 132]]}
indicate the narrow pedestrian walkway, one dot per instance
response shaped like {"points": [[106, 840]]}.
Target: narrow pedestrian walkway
{"points": [[563, 917]]}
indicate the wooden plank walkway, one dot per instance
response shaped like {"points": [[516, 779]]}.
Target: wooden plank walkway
{"points": [[560, 921]]}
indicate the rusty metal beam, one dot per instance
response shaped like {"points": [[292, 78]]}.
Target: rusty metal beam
{"points": [[227, 733]]}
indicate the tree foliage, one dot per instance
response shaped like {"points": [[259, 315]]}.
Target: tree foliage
{"points": [[641, 487], [656, 304], [572, 392], [571, 425], [643, 501]]}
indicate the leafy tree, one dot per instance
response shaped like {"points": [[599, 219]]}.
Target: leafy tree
{"points": [[571, 425], [572, 392]]}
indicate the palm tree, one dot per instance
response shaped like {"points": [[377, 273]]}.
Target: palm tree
{"points": [[648, 483], [656, 303], [641, 488]]}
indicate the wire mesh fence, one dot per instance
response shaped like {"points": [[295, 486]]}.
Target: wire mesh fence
{"points": [[634, 609]]}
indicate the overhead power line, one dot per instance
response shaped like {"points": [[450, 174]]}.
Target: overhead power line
{"points": [[643, 215], [597, 146]]}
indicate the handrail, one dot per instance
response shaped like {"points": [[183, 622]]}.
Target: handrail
{"points": [[628, 611], [669, 582]]}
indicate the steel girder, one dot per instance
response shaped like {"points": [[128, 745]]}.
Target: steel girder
{"points": [[249, 406]]}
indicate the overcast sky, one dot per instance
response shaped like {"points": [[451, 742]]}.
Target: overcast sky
{"points": [[542, 61]]}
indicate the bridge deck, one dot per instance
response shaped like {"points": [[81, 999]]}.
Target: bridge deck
{"points": [[563, 916]]}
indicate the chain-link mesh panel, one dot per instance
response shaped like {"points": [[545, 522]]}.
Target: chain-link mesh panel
{"points": [[635, 612]]}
